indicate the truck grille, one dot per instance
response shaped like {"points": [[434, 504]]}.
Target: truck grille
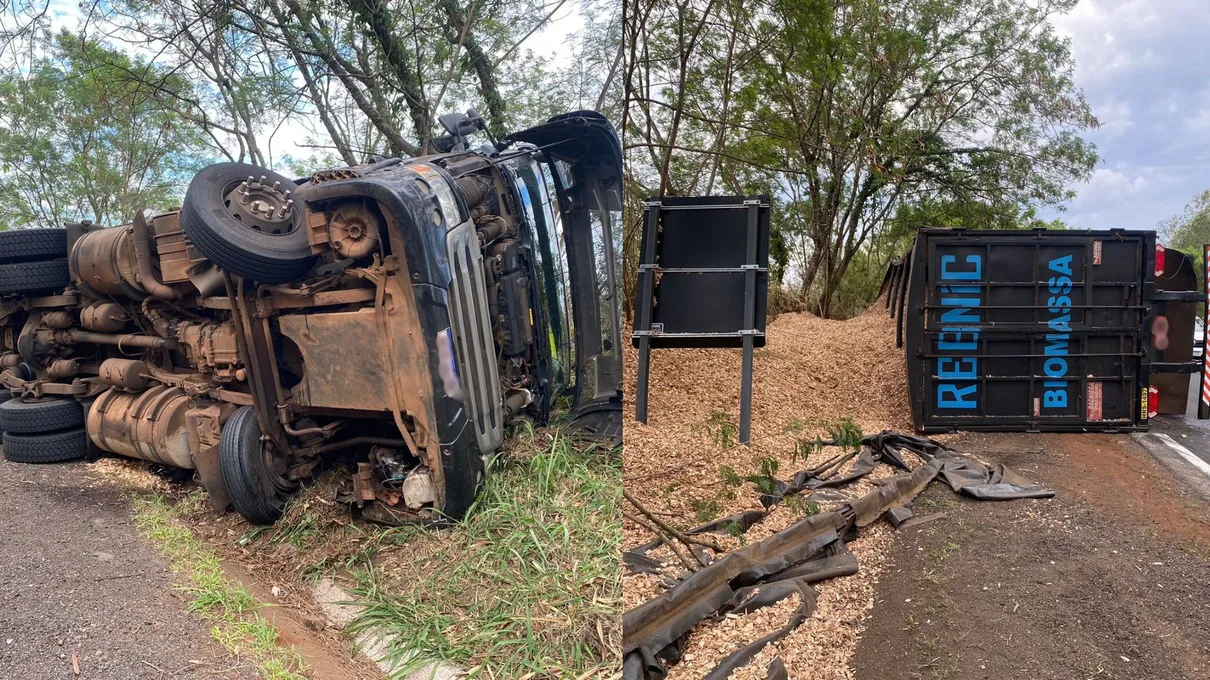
{"points": [[472, 336]]}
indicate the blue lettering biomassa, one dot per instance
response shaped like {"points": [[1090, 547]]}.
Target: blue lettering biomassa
{"points": [[957, 375], [1058, 340]]}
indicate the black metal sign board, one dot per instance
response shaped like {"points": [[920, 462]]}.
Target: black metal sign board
{"points": [[703, 282]]}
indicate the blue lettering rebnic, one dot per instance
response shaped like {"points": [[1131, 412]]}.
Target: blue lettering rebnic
{"points": [[957, 386]]}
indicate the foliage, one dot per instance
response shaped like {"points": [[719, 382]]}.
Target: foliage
{"points": [[802, 507], [721, 430], [704, 510], [360, 77], [845, 433], [80, 140], [846, 112], [527, 585], [765, 481], [1190, 231]]}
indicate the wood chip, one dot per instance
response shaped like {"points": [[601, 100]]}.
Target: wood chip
{"points": [[812, 372]]}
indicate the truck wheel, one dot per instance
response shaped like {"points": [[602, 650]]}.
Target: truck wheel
{"points": [[53, 447], [19, 245], [29, 277], [41, 415], [245, 220], [257, 491]]}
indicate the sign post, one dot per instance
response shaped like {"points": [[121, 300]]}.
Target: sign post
{"points": [[703, 282]]}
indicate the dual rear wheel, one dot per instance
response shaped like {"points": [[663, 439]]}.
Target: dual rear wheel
{"points": [[43, 430]]}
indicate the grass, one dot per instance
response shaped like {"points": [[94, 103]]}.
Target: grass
{"points": [[721, 430], [527, 585], [230, 609]]}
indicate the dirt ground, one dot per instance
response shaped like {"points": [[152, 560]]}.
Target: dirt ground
{"points": [[1110, 579], [78, 580]]}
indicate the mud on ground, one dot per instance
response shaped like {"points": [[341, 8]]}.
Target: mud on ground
{"points": [[271, 576], [1110, 579]]}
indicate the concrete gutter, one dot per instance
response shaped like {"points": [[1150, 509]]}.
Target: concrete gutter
{"points": [[335, 603]]}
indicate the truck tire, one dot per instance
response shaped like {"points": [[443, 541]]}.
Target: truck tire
{"points": [[20, 245], [32, 277], [53, 447], [256, 491], [241, 240], [42, 415]]}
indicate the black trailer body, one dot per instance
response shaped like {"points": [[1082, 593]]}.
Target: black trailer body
{"points": [[1034, 330]]}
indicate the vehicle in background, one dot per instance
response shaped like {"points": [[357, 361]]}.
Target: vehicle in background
{"points": [[400, 314], [1199, 338]]}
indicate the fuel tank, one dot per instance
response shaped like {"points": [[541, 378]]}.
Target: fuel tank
{"points": [[102, 262], [149, 425]]}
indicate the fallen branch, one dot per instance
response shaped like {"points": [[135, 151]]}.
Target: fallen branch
{"points": [[682, 537], [668, 542]]}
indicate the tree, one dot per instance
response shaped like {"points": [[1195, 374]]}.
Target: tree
{"points": [[78, 140], [365, 76], [1189, 231], [848, 110]]}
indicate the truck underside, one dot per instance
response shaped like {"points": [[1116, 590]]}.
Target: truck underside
{"points": [[396, 315]]}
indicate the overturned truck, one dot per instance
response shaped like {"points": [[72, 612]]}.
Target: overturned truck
{"points": [[398, 315], [1043, 330]]}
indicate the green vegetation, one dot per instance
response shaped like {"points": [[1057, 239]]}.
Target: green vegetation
{"points": [[1189, 231], [843, 433], [765, 480], [705, 510], [80, 139], [330, 83], [801, 506], [528, 584], [720, 429], [231, 611], [861, 120]]}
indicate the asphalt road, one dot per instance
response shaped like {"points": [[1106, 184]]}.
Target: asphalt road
{"points": [[1188, 431], [77, 580]]}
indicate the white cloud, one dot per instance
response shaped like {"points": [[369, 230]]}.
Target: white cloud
{"points": [[1115, 117], [1145, 68], [1109, 185]]}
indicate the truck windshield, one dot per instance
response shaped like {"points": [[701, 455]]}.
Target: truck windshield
{"points": [[541, 210]]}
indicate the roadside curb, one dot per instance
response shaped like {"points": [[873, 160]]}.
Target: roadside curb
{"points": [[334, 601], [1191, 470]]}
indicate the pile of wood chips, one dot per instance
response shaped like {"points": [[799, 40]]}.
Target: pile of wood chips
{"points": [[811, 373]]}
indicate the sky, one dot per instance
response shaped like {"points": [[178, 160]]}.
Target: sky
{"points": [[1144, 67], [552, 41]]}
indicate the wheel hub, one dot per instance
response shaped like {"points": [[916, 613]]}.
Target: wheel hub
{"points": [[261, 206]]}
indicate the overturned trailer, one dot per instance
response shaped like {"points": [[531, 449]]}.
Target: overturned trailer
{"points": [[401, 312], [1043, 330]]}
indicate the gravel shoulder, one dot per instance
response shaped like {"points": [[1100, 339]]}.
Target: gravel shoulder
{"points": [[78, 580], [1108, 580]]}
